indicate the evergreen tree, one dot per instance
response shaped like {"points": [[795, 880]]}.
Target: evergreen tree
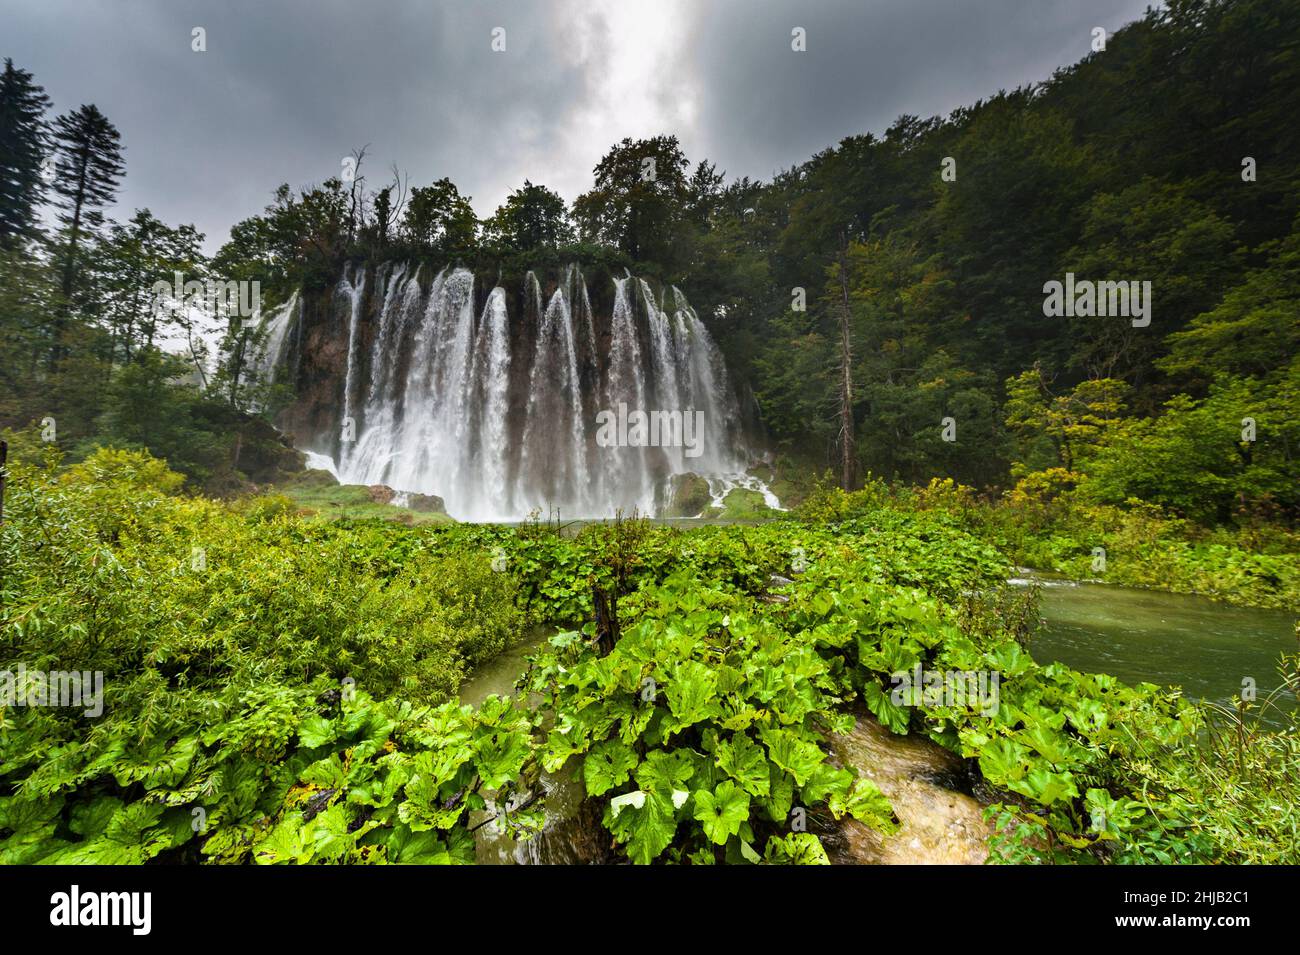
{"points": [[23, 143], [87, 172]]}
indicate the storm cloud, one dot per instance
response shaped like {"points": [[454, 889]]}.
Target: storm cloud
{"points": [[286, 90]]}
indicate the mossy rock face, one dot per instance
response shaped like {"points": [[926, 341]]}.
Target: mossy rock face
{"points": [[319, 494], [426, 503], [381, 493], [311, 478], [743, 504], [690, 496]]}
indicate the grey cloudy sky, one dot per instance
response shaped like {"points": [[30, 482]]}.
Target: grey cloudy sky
{"points": [[287, 89]]}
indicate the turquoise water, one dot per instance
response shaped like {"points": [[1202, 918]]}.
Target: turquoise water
{"points": [[1205, 647]]}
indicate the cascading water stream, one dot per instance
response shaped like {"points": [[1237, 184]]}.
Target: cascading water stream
{"points": [[274, 331], [498, 414], [554, 463], [352, 286]]}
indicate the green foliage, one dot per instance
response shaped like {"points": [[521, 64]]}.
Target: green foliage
{"points": [[532, 217], [638, 199], [701, 729], [241, 658], [278, 689], [1192, 459], [438, 218]]}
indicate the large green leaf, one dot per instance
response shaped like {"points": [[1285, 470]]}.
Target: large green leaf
{"points": [[607, 765], [721, 812], [643, 822], [744, 761]]}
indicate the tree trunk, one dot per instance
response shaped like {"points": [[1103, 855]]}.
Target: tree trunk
{"points": [[847, 454], [606, 620], [69, 266], [4, 457]]}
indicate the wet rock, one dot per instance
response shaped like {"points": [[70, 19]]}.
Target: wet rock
{"points": [[689, 497], [939, 825], [381, 493], [426, 503]]}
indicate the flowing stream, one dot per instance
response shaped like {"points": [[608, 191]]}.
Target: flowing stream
{"points": [[1207, 648]]}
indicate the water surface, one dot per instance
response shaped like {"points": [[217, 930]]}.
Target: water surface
{"points": [[1205, 647]]}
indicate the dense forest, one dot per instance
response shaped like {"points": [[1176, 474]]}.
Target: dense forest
{"points": [[283, 685]]}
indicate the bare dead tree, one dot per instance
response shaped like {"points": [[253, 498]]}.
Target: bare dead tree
{"points": [[356, 192], [401, 187]]}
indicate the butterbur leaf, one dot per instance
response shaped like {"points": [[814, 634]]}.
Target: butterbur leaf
{"points": [[133, 825], [841, 724], [1046, 787], [798, 757], [1109, 816], [285, 843], [1004, 761], [328, 834], [405, 847], [797, 848], [644, 823], [500, 757], [825, 780], [690, 693], [866, 803], [665, 772], [1049, 743], [723, 811], [744, 761], [609, 764], [91, 819], [781, 794], [171, 767], [885, 709], [315, 731], [327, 773]]}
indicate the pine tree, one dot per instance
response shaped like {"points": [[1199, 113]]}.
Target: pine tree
{"points": [[23, 140], [87, 172]]}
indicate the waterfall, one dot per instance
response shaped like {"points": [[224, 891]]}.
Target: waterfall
{"points": [[352, 287], [553, 465], [274, 333], [500, 413]]}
